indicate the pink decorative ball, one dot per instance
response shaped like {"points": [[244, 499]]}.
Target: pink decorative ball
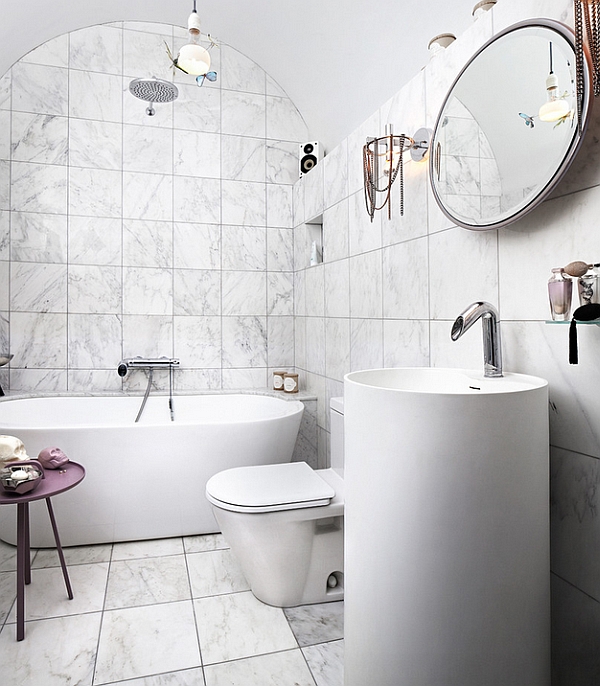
{"points": [[52, 458]]}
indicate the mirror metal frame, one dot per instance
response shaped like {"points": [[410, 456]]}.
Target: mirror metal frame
{"points": [[567, 33]]}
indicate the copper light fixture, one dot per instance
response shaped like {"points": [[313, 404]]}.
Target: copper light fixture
{"points": [[587, 12]]}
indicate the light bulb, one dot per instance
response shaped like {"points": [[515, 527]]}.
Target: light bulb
{"points": [[556, 108], [193, 58]]}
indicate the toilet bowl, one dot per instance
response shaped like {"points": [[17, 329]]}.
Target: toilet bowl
{"points": [[285, 525]]}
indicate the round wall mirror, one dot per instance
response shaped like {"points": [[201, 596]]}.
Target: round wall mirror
{"points": [[508, 128]]}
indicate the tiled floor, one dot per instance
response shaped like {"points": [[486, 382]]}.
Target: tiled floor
{"points": [[157, 613]]}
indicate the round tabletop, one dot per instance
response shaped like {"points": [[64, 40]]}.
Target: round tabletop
{"points": [[55, 481]]}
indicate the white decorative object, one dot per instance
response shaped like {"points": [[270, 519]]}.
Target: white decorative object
{"points": [[11, 450], [441, 42], [482, 7]]}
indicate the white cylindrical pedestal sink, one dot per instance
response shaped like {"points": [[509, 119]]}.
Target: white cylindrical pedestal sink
{"points": [[447, 529]]}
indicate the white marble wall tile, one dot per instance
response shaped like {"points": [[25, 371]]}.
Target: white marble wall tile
{"points": [[35, 660], [5, 90], [198, 341], [315, 345], [196, 246], [364, 234], [243, 248], [38, 188], [147, 335], [196, 200], [147, 640], [147, 291], [148, 196], [300, 293], [5, 185], [280, 249], [94, 341], [405, 110], [95, 144], [244, 342], [337, 346], [284, 122], [94, 289], [279, 206], [244, 293], [272, 669], [197, 109], [145, 54], [315, 291], [337, 288], [197, 379], [238, 625], [313, 193], [300, 342], [150, 27], [243, 158], [280, 293], [147, 149], [466, 353], [413, 223], [575, 532], [436, 219], [244, 378], [366, 344], [239, 73], [473, 255], [298, 202], [53, 53], [197, 154], [38, 237], [302, 247], [405, 283], [5, 235], [147, 243], [366, 285], [282, 160], [243, 203], [39, 138], [134, 110], [5, 133], [335, 232], [196, 292], [243, 114], [38, 340], [280, 341], [97, 48], [405, 343], [38, 287], [94, 240], [39, 89], [509, 13], [336, 175], [95, 96], [370, 128], [4, 285], [273, 88], [94, 380], [41, 380], [95, 192]]}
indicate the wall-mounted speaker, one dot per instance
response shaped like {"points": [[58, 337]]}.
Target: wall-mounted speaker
{"points": [[310, 155]]}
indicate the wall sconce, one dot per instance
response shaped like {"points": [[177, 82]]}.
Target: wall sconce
{"points": [[383, 164], [193, 58], [588, 12]]}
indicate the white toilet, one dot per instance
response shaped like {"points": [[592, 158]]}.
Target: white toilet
{"points": [[285, 524]]}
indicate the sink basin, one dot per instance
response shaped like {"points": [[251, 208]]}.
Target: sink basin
{"points": [[447, 536]]}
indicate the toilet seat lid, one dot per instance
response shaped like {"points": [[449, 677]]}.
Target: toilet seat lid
{"points": [[267, 488]]}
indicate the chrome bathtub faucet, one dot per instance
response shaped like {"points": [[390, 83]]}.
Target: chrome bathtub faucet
{"points": [[492, 346], [150, 363]]}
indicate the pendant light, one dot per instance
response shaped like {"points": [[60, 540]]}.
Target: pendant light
{"points": [[556, 107]]}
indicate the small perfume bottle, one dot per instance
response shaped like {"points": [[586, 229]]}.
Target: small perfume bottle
{"points": [[560, 290], [588, 288]]}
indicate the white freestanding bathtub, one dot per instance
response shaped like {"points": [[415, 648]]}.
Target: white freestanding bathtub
{"points": [[144, 480]]}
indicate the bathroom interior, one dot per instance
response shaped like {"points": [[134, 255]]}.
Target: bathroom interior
{"points": [[189, 233]]}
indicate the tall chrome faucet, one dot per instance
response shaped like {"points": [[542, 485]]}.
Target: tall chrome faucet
{"points": [[492, 346]]}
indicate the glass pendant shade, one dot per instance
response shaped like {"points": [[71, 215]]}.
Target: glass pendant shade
{"points": [[556, 108], [194, 59]]}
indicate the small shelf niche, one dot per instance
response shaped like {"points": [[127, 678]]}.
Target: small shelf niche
{"points": [[314, 234]]}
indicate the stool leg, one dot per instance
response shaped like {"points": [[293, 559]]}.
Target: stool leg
{"points": [[59, 548], [27, 547], [22, 512]]}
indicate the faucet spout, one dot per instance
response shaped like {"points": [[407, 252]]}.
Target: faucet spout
{"points": [[492, 347]]}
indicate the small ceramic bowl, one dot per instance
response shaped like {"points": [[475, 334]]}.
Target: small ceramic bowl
{"points": [[21, 478]]}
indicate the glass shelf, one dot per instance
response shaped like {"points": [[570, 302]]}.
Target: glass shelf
{"points": [[595, 322]]}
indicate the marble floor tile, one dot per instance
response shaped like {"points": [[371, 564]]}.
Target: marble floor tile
{"points": [[147, 581], [215, 572], [238, 625], [55, 652], [135, 549], [200, 544], [77, 555], [144, 641], [319, 623], [326, 662], [279, 669], [46, 596], [188, 677], [8, 557], [8, 593]]}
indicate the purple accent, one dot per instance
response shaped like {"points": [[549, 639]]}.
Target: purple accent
{"points": [[52, 458], [54, 483]]}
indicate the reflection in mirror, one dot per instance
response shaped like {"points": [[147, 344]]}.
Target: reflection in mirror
{"points": [[508, 128]]}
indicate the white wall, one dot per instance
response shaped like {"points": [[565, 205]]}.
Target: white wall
{"points": [[388, 292]]}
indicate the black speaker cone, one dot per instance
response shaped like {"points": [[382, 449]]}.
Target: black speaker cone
{"points": [[307, 163], [308, 148]]}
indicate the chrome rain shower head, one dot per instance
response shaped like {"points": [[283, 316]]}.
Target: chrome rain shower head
{"points": [[153, 90]]}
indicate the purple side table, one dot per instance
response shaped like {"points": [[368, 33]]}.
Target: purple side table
{"points": [[56, 481]]}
